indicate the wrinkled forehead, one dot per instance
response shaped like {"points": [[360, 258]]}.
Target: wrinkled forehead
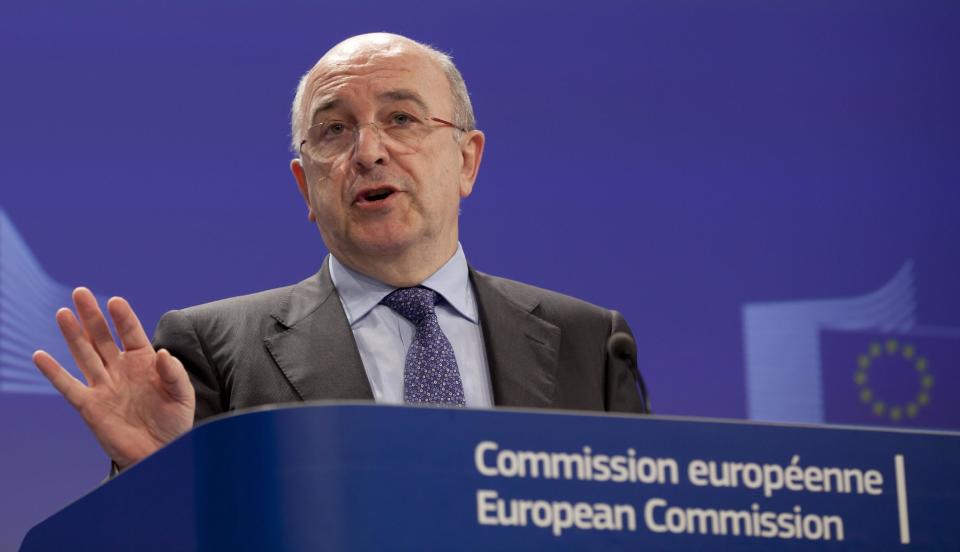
{"points": [[357, 78]]}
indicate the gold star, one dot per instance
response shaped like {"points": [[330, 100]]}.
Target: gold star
{"points": [[866, 395], [908, 351]]}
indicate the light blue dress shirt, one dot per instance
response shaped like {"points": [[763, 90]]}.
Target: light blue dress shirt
{"points": [[383, 336]]}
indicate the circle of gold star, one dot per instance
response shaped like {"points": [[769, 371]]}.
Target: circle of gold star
{"points": [[892, 348]]}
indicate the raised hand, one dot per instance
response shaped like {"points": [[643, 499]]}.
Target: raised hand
{"points": [[135, 400]]}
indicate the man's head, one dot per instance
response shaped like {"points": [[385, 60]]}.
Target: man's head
{"points": [[380, 169]]}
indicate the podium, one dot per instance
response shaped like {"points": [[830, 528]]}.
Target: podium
{"points": [[345, 476]]}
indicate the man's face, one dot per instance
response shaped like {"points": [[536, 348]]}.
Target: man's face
{"points": [[379, 201]]}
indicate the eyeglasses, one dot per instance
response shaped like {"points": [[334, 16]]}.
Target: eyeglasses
{"points": [[328, 139]]}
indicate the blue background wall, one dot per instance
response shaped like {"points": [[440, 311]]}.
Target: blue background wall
{"points": [[681, 161]]}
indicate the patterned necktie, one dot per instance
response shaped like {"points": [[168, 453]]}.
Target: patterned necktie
{"points": [[430, 374]]}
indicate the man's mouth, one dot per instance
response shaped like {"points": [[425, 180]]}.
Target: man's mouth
{"points": [[373, 195]]}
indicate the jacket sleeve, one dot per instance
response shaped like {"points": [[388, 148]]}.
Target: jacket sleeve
{"points": [[177, 334]]}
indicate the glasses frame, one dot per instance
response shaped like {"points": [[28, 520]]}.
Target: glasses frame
{"points": [[443, 122]]}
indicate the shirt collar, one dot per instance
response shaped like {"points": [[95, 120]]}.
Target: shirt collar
{"points": [[360, 293]]}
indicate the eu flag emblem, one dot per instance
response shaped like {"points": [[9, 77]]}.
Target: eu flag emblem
{"points": [[891, 379]]}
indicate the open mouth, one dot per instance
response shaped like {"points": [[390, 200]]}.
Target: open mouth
{"points": [[375, 194]]}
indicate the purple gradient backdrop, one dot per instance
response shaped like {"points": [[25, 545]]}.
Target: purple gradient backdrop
{"points": [[670, 159]]}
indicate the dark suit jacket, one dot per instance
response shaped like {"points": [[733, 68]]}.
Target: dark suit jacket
{"points": [[544, 349]]}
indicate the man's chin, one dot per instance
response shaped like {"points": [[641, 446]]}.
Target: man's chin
{"points": [[383, 244]]}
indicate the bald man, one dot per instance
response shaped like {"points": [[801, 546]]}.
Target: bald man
{"points": [[385, 149]]}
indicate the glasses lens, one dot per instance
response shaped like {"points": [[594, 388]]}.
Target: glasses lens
{"points": [[328, 139], [402, 132], [406, 130]]}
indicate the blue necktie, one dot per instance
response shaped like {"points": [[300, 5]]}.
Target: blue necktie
{"points": [[430, 374]]}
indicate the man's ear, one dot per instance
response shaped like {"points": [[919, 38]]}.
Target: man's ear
{"points": [[296, 167], [471, 152]]}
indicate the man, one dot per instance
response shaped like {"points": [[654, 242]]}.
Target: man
{"points": [[386, 149]]}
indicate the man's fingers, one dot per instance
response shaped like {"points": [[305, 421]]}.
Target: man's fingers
{"points": [[80, 347], [95, 324], [127, 324], [62, 381], [174, 376]]}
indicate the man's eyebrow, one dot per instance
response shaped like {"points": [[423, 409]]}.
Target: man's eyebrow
{"points": [[399, 95], [325, 106], [403, 94]]}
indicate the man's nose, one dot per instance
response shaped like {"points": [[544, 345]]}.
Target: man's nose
{"points": [[370, 149]]}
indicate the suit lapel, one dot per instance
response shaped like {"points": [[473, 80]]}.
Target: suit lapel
{"points": [[522, 349], [314, 346]]}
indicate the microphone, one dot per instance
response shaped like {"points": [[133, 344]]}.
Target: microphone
{"points": [[623, 348]]}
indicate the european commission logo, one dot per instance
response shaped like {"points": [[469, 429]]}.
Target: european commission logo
{"points": [[861, 360], [28, 300]]}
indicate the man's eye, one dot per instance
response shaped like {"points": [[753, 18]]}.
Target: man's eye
{"points": [[334, 128], [401, 119]]}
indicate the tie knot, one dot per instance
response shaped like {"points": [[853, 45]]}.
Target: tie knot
{"points": [[414, 303]]}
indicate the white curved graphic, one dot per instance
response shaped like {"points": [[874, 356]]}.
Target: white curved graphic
{"points": [[781, 344], [28, 300]]}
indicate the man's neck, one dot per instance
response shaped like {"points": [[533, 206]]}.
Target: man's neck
{"points": [[402, 270]]}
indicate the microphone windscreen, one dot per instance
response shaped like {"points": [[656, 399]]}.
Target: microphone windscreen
{"points": [[621, 345]]}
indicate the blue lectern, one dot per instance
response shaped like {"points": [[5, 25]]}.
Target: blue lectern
{"points": [[365, 477]]}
